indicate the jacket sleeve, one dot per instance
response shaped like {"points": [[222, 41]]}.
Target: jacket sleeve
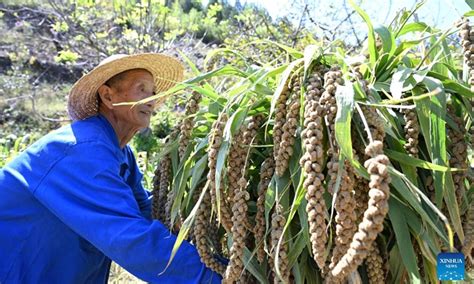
{"points": [[85, 191]]}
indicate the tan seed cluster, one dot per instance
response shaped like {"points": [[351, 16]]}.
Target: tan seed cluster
{"points": [[375, 122], [235, 163], [239, 209], [266, 173], [280, 119], [458, 150], [361, 195], [372, 223], [412, 130], [160, 191], [165, 202], [332, 79], [312, 164], [345, 207], [237, 168], [285, 150], [359, 77], [192, 107], [216, 138], [155, 204], [202, 233], [278, 223], [467, 42], [375, 266]]}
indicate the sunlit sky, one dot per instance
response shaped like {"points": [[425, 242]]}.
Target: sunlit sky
{"points": [[438, 13]]}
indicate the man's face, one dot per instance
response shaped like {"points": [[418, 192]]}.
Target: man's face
{"points": [[132, 86]]}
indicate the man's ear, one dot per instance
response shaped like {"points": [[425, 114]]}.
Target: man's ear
{"points": [[105, 94]]}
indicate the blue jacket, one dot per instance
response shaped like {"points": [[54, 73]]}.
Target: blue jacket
{"points": [[72, 202]]}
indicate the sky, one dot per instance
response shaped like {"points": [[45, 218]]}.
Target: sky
{"points": [[437, 13]]}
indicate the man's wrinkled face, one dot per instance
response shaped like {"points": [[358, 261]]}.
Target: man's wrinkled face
{"points": [[133, 86]]}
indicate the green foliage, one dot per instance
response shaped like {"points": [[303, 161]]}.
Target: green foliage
{"points": [[401, 72], [66, 56]]}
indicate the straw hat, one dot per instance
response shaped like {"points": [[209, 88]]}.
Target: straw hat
{"points": [[83, 99]]}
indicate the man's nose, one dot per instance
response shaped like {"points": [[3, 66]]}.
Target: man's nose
{"points": [[151, 104]]}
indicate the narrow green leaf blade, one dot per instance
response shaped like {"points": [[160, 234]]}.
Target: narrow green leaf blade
{"points": [[402, 234]]}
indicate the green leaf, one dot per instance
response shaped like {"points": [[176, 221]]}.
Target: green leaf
{"points": [[400, 80], [297, 248], [406, 159], [388, 40], [403, 190], [438, 152], [402, 234], [414, 27], [453, 86], [345, 104], [252, 265], [190, 63], [311, 52], [470, 3], [373, 54], [186, 226]]}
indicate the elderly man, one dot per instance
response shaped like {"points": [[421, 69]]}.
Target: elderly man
{"points": [[74, 201]]}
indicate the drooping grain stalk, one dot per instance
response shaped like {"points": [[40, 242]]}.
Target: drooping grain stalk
{"points": [[277, 226], [372, 223], [192, 107], [458, 150], [202, 227], [266, 173], [412, 130], [156, 203], [312, 164], [215, 141], [280, 119], [345, 203], [237, 168], [375, 265], [285, 149]]}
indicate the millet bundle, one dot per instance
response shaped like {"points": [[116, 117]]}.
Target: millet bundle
{"points": [[345, 207], [192, 107], [467, 42], [216, 138], [266, 173], [278, 223], [458, 149], [280, 118], [239, 209], [165, 196], [155, 204], [312, 164], [237, 168], [285, 150], [201, 233], [345, 201], [375, 265], [372, 223], [332, 79], [412, 130]]}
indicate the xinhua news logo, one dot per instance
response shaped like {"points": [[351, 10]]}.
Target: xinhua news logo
{"points": [[450, 266]]}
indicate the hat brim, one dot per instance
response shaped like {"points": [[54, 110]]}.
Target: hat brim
{"points": [[83, 100]]}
